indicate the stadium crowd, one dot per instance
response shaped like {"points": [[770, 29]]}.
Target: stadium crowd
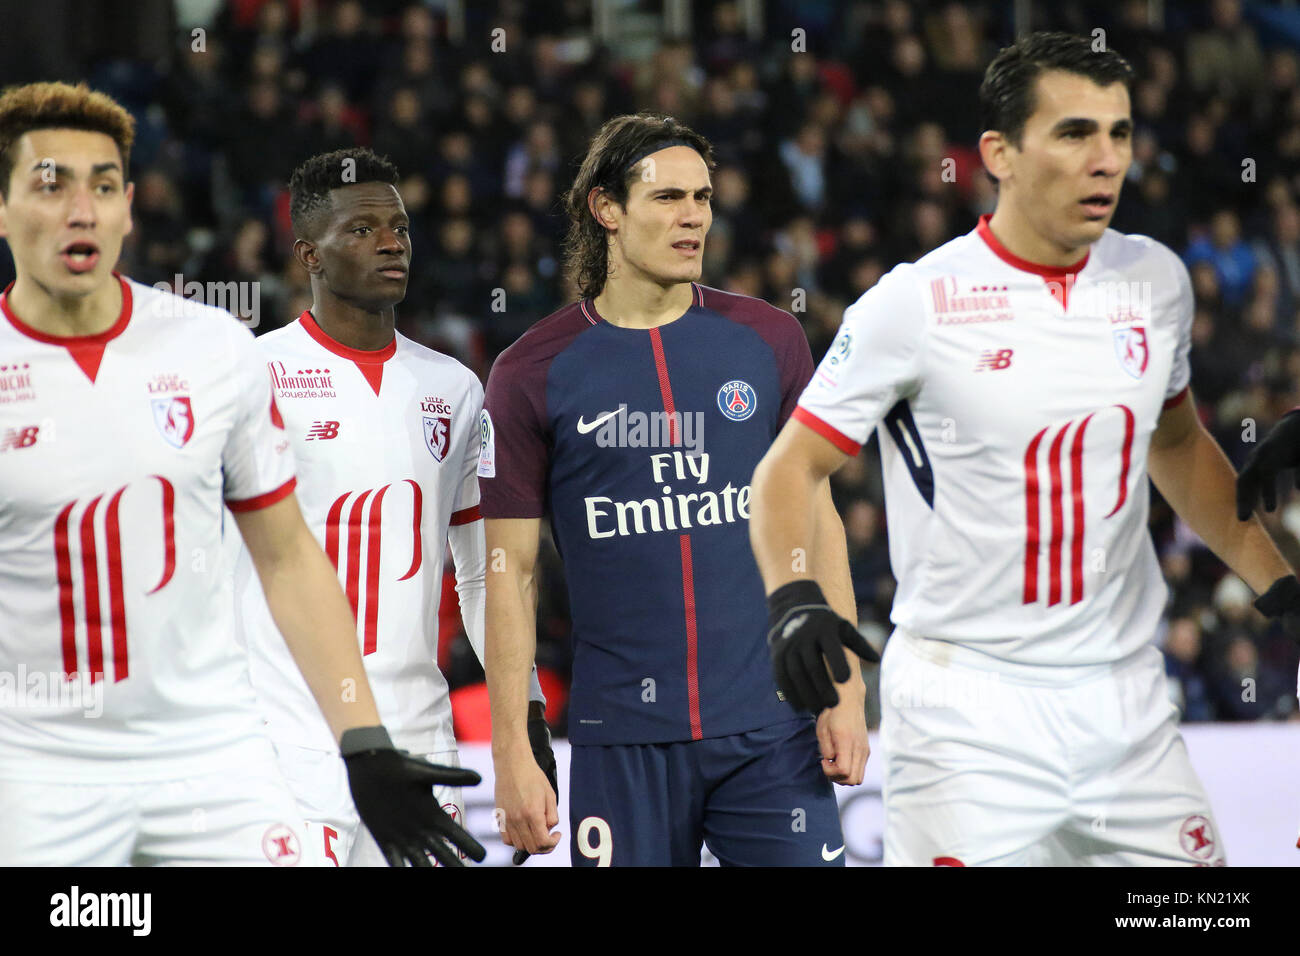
{"points": [[846, 142]]}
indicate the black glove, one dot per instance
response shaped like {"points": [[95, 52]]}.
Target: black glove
{"points": [[394, 798], [1279, 450], [803, 631], [539, 737], [1282, 600]]}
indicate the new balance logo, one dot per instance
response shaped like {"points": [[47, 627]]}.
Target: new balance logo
{"points": [[994, 359], [323, 431], [19, 437]]}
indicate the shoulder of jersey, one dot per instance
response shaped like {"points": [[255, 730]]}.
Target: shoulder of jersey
{"points": [[743, 308], [546, 337], [150, 303], [435, 362], [1132, 251]]}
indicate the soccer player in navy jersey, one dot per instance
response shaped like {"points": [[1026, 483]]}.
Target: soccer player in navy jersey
{"points": [[634, 419]]}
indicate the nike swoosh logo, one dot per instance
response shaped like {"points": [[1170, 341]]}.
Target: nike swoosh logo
{"points": [[585, 427], [828, 855]]}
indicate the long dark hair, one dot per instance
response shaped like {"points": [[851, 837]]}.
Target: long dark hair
{"points": [[612, 165]]}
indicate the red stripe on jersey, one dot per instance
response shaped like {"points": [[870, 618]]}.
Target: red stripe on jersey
{"points": [[263, 501], [692, 639], [1126, 458], [332, 530], [832, 434], [1077, 529], [465, 516], [586, 313], [1175, 400], [699, 293], [1032, 538], [371, 634], [1058, 518], [417, 511], [116, 601], [67, 616], [86, 350], [1009, 257], [90, 587], [354, 552], [665, 386], [169, 532]]}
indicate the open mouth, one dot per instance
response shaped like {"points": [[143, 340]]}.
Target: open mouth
{"points": [[81, 256], [1098, 204], [687, 246]]}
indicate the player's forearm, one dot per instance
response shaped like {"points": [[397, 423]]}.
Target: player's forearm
{"points": [[831, 566], [1199, 483], [310, 610], [509, 648], [781, 523]]}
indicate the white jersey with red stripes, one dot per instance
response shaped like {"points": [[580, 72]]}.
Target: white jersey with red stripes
{"points": [[1015, 404], [117, 653], [387, 445]]}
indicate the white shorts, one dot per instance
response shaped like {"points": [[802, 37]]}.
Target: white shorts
{"points": [[235, 816], [984, 770], [335, 835]]}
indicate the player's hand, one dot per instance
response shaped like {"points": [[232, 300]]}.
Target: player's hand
{"points": [[526, 806], [1279, 451], [539, 738], [806, 637], [1282, 600], [842, 736], [394, 796]]}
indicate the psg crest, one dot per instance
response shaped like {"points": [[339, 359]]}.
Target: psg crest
{"points": [[737, 400], [1131, 349], [437, 435], [174, 418]]}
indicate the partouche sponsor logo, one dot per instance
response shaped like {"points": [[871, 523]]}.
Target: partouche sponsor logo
{"points": [[15, 382], [301, 383]]}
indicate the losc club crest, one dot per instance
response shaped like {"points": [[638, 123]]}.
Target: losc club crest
{"points": [[174, 418], [1131, 349], [737, 400], [437, 435]]}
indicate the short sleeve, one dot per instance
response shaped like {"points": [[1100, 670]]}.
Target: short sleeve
{"points": [[466, 506], [874, 361], [1180, 375], [257, 461], [796, 366], [514, 451]]}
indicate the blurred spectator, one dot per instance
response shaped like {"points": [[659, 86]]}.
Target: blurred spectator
{"points": [[1233, 260]]}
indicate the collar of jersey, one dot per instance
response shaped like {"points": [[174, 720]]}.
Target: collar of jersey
{"points": [[588, 308], [1009, 257], [368, 356], [99, 338]]}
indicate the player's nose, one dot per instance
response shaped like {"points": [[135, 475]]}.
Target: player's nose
{"points": [[81, 207]]}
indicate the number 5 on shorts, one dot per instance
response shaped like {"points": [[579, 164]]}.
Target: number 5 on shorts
{"points": [[602, 851]]}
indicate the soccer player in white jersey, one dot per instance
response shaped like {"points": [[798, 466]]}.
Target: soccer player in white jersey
{"points": [[386, 436], [129, 731], [1029, 377]]}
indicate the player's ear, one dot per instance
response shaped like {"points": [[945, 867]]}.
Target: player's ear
{"points": [[994, 151], [305, 251], [601, 206]]}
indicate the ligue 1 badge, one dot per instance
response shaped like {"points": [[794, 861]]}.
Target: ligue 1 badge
{"points": [[737, 400]]}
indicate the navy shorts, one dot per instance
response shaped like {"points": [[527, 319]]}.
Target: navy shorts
{"points": [[755, 799]]}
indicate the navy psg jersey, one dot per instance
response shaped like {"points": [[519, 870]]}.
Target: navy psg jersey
{"points": [[640, 445]]}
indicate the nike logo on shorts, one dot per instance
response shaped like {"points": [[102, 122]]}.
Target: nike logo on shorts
{"points": [[831, 855]]}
